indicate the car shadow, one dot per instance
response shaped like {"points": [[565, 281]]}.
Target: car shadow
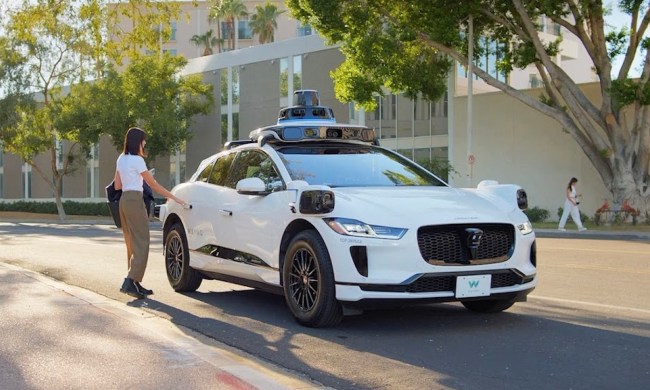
{"points": [[444, 341]]}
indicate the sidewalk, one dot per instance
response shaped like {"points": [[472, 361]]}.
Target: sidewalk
{"points": [[57, 336], [594, 234]]}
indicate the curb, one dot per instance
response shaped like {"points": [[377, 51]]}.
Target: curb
{"points": [[237, 369]]}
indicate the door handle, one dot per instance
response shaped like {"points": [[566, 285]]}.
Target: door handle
{"points": [[226, 212]]}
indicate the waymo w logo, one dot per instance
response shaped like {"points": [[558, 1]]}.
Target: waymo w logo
{"points": [[474, 283]]}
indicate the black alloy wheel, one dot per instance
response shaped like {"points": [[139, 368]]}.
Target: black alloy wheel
{"points": [[308, 282], [181, 276]]}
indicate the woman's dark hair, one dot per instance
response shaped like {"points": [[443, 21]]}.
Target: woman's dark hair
{"points": [[571, 182], [132, 141]]}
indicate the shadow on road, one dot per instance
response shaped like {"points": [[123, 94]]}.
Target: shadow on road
{"points": [[443, 344]]}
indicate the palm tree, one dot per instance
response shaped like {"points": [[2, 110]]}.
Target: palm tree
{"points": [[264, 22], [230, 11], [207, 41]]}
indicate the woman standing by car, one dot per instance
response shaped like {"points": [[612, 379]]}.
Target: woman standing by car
{"points": [[131, 171]]}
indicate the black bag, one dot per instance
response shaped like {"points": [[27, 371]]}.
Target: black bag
{"points": [[113, 201]]}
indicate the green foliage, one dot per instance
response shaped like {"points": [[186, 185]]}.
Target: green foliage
{"points": [[537, 214], [147, 94], [264, 22], [440, 168], [207, 41], [229, 11], [137, 26], [583, 217], [404, 45], [629, 91]]}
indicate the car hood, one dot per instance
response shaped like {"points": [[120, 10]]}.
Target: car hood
{"points": [[400, 206]]}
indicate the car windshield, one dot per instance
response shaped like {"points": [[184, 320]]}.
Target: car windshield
{"points": [[338, 165]]}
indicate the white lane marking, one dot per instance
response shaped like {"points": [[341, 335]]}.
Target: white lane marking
{"points": [[599, 305]]}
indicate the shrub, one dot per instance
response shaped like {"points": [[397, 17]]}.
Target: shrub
{"points": [[537, 214], [70, 207], [583, 217]]}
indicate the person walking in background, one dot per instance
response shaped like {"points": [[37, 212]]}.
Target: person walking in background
{"points": [[571, 207], [131, 171]]}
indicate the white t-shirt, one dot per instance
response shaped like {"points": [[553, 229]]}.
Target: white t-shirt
{"points": [[130, 168]]}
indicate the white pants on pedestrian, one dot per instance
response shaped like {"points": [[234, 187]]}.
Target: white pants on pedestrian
{"points": [[570, 208]]}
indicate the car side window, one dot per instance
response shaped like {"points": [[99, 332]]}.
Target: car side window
{"points": [[205, 173], [253, 163], [221, 169]]}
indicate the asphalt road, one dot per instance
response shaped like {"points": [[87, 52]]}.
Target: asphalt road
{"points": [[586, 326]]}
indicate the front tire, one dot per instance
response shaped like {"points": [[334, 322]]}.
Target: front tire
{"points": [[308, 282], [181, 276], [489, 305]]}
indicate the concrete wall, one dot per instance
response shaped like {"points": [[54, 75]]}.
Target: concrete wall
{"points": [[259, 102], [516, 144], [316, 67], [206, 130]]}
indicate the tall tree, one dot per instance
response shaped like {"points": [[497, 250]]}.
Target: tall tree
{"points": [[207, 41], [47, 40], [51, 46], [147, 94], [230, 11], [136, 27], [408, 45], [264, 22]]}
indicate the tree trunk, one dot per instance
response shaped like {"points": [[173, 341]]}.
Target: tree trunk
{"points": [[59, 208], [625, 190]]}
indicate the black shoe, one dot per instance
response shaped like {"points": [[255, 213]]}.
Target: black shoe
{"points": [[143, 290], [130, 288]]}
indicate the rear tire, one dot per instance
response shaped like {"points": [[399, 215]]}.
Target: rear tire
{"points": [[181, 276], [489, 305], [308, 282]]}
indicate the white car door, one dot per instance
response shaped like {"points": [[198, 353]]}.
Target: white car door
{"points": [[256, 222]]}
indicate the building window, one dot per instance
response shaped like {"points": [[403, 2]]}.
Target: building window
{"points": [[244, 29], [92, 173], [284, 76], [379, 112], [27, 181], [297, 72], [170, 51], [224, 127], [1, 171], [445, 107], [304, 30], [177, 166], [534, 81], [172, 37]]}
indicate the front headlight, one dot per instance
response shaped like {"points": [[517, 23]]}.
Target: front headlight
{"points": [[352, 227], [525, 228]]}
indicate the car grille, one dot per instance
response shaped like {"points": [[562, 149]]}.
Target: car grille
{"points": [[448, 282], [450, 244]]}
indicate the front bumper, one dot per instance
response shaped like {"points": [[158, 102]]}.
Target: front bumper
{"points": [[396, 270], [506, 284]]}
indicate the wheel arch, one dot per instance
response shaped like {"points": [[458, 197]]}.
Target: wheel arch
{"points": [[169, 222], [292, 229]]}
